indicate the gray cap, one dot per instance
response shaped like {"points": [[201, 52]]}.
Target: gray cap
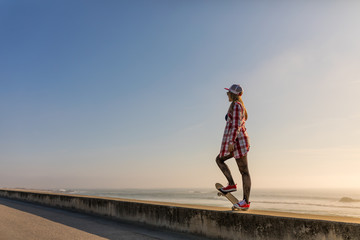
{"points": [[235, 88]]}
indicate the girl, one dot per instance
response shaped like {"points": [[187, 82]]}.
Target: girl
{"points": [[235, 143]]}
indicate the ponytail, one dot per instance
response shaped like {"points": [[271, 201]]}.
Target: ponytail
{"points": [[243, 106]]}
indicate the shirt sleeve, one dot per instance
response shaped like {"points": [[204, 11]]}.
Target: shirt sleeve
{"points": [[236, 122]]}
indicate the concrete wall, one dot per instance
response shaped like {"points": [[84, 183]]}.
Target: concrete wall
{"points": [[206, 222]]}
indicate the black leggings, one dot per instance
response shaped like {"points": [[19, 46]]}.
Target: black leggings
{"points": [[244, 170]]}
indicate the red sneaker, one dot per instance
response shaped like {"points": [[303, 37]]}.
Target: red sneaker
{"points": [[229, 188], [242, 205]]}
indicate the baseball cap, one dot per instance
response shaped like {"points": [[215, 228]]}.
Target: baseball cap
{"points": [[235, 88]]}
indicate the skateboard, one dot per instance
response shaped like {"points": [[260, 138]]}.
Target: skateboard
{"points": [[229, 196]]}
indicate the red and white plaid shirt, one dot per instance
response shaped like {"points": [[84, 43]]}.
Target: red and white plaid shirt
{"points": [[235, 133]]}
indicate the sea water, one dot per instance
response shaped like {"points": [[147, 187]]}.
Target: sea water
{"points": [[316, 201]]}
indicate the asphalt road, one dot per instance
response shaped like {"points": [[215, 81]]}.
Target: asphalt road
{"points": [[21, 220]]}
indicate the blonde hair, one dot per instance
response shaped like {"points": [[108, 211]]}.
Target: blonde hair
{"points": [[237, 98]]}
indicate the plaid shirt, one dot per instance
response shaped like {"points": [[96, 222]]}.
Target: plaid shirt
{"points": [[235, 133]]}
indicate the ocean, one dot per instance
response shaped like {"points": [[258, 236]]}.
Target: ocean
{"points": [[316, 201]]}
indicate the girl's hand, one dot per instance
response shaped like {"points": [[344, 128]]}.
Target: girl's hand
{"points": [[231, 147]]}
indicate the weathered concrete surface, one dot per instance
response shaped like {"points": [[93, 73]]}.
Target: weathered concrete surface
{"points": [[23, 220], [206, 221]]}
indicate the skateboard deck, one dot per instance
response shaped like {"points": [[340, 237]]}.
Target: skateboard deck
{"points": [[229, 196]]}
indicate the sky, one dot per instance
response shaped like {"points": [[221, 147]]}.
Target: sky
{"points": [[130, 94]]}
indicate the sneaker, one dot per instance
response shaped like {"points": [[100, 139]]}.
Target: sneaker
{"points": [[242, 205], [229, 188]]}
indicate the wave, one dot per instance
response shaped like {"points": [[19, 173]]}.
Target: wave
{"points": [[348, 200], [307, 204], [66, 191]]}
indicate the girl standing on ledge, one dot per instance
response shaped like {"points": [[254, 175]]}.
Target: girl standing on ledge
{"points": [[235, 143]]}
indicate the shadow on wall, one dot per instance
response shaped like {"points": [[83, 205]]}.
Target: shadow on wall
{"points": [[101, 227]]}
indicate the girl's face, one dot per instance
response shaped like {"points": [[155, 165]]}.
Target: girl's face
{"points": [[229, 96]]}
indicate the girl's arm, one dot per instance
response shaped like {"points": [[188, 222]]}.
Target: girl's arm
{"points": [[236, 123]]}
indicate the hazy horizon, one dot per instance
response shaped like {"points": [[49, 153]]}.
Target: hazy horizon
{"points": [[356, 189], [130, 94]]}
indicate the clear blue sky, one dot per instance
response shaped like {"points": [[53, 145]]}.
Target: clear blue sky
{"points": [[118, 94]]}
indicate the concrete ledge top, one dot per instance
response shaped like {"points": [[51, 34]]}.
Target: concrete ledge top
{"points": [[209, 208]]}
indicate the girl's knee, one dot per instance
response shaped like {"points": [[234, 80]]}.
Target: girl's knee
{"points": [[243, 167], [244, 171], [218, 159]]}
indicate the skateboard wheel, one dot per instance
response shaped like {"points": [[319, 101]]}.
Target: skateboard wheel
{"points": [[219, 194]]}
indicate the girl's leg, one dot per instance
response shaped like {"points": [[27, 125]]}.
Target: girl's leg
{"points": [[246, 180], [224, 168]]}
